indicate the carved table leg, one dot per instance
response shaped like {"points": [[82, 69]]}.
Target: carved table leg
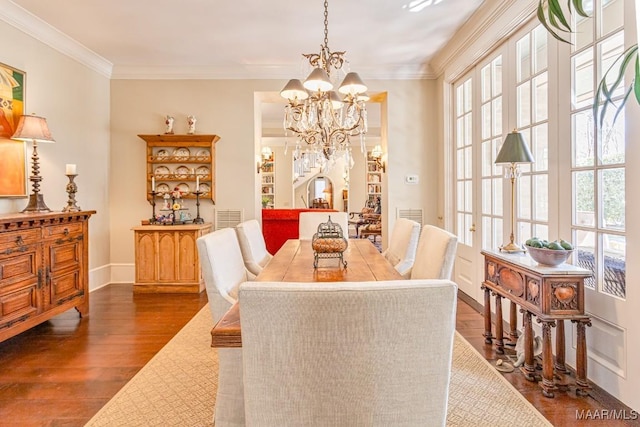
{"points": [[548, 383], [513, 324], [499, 332], [582, 383], [529, 368], [560, 348], [488, 338]]}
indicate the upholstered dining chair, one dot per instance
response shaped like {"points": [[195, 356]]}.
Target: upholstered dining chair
{"points": [[403, 242], [309, 221], [252, 245], [223, 271], [351, 353], [435, 255]]}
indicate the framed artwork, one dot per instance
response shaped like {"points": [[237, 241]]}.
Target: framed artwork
{"points": [[13, 161]]}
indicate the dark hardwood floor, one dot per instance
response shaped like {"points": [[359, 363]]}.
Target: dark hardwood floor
{"points": [[63, 371]]}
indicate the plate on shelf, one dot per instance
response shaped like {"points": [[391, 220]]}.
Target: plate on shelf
{"points": [[162, 189], [181, 172], [205, 189], [161, 171], [162, 154], [202, 171], [203, 154], [181, 153], [184, 188]]}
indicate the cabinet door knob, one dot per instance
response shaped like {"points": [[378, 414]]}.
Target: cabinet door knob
{"points": [[66, 231], [19, 241]]}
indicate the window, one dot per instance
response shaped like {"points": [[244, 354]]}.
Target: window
{"points": [[598, 153], [464, 165], [491, 139], [532, 121]]}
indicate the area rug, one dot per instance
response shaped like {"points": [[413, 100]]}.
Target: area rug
{"points": [[178, 387]]}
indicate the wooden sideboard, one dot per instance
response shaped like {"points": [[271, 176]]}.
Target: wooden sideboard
{"points": [[167, 258], [553, 295], [43, 268]]}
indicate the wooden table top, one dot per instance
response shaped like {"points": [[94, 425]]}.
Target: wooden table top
{"points": [[294, 263]]}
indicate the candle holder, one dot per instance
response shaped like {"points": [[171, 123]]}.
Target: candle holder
{"points": [[197, 219], [153, 220], [72, 189]]}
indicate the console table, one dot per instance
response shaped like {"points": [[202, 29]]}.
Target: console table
{"points": [[553, 295]]}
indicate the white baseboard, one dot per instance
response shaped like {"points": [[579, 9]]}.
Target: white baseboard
{"points": [[110, 273]]}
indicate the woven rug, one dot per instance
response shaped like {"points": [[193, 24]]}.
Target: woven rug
{"points": [[178, 387]]}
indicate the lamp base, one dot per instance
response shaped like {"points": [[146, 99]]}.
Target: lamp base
{"points": [[511, 248], [36, 204]]}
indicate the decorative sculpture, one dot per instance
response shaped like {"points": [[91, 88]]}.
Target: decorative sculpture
{"points": [[168, 121], [191, 120]]}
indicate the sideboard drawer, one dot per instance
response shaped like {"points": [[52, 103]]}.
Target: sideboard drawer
{"points": [[13, 240], [62, 230]]}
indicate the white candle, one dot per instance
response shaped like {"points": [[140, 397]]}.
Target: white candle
{"points": [[197, 182], [153, 183], [70, 169]]}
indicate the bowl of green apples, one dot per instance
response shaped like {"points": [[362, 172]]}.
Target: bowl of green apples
{"points": [[549, 253]]}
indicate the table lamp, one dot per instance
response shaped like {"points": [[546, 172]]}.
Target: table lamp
{"points": [[513, 152], [34, 128]]}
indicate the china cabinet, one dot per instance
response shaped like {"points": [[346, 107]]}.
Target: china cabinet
{"points": [[183, 162]]}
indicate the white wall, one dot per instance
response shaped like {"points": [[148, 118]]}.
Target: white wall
{"points": [[75, 102]]}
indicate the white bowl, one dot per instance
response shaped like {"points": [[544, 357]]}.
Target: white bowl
{"points": [[551, 257]]}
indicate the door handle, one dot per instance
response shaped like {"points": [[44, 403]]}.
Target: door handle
{"points": [[473, 228]]}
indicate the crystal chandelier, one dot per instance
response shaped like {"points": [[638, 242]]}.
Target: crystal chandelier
{"points": [[317, 115]]}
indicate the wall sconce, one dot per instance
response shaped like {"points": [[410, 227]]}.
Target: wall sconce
{"points": [[267, 158], [376, 154]]}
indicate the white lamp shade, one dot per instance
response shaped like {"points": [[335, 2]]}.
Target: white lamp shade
{"points": [[294, 90], [318, 80], [363, 97], [336, 102], [33, 128], [352, 84]]}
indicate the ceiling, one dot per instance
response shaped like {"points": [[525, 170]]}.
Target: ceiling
{"points": [[254, 39]]}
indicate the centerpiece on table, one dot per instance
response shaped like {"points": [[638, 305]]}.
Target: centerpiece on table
{"points": [[329, 242]]}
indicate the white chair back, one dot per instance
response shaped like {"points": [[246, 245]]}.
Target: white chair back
{"points": [[309, 221], [436, 254], [403, 243], [252, 245], [223, 271], [351, 353]]}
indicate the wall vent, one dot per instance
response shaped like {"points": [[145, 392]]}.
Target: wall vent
{"points": [[412, 214], [226, 218]]}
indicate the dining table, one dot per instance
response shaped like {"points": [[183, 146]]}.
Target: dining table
{"points": [[294, 263]]}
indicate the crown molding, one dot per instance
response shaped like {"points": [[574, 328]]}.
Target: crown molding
{"points": [[486, 28], [35, 27], [280, 72]]}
